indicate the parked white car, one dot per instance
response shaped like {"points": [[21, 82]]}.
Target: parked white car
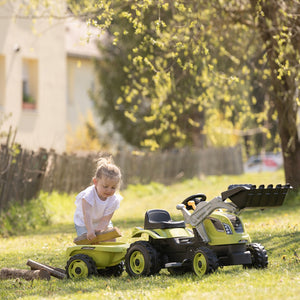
{"points": [[264, 162]]}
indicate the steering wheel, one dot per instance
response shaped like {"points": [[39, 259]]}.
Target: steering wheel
{"points": [[197, 198]]}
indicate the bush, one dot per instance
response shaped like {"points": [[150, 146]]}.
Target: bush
{"points": [[19, 218], [293, 197]]}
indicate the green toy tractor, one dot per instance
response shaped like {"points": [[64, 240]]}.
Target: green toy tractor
{"points": [[217, 238]]}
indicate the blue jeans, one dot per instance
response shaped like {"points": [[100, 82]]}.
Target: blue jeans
{"points": [[82, 229]]}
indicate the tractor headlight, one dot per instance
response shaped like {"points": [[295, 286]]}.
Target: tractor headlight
{"points": [[227, 228]]}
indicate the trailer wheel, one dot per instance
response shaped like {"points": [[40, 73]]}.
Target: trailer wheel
{"points": [[259, 256], [80, 266], [204, 261], [141, 259]]}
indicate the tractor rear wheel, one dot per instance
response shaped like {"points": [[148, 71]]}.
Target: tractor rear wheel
{"points": [[204, 261], [142, 259], [80, 266], [259, 256]]}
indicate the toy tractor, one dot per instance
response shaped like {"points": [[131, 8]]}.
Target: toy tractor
{"points": [[217, 238]]}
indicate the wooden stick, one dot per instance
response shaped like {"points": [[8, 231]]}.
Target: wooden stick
{"points": [[52, 271], [7, 273], [100, 237], [33, 263]]}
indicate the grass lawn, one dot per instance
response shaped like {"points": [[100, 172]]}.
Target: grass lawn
{"points": [[276, 228]]}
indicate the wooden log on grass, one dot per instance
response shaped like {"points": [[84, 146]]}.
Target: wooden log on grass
{"points": [[56, 272], [9, 273], [103, 236]]}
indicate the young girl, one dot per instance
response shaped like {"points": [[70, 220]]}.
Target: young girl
{"points": [[96, 204]]}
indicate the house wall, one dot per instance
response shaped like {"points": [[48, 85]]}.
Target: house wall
{"points": [[42, 44], [80, 70]]}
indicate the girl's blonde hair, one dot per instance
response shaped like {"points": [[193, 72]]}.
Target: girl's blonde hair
{"points": [[107, 168]]}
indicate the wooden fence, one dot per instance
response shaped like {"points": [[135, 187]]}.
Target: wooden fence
{"points": [[24, 173], [21, 174]]}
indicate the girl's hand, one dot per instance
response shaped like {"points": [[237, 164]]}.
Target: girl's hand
{"points": [[90, 235]]}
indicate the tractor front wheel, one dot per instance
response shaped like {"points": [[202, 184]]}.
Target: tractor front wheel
{"points": [[80, 266], [141, 259], [259, 256], [204, 261]]}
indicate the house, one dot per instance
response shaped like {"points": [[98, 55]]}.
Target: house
{"points": [[46, 73]]}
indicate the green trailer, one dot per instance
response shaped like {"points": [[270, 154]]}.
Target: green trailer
{"points": [[105, 258]]}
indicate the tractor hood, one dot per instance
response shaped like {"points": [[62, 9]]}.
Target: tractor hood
{"points": [[248, 196]]}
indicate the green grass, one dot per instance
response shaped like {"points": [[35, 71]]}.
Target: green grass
{"points": [[277, 229]]}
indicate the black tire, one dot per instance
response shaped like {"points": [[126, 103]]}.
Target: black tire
{"points": [[259, 256], [80, 266], [204, 261], [142, 259], [115, 271]]}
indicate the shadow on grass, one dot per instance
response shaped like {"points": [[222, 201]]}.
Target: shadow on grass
{"points": [[281, 242], [105, 287], [52, 229], [271, 212], [69, 228], [129, 223], [101, 285]]}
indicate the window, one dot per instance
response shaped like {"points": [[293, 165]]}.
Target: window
{"points": [[29, 83], [2, 80]]}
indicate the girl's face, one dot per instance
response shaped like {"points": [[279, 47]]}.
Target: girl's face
{"points": [[105, 186]]}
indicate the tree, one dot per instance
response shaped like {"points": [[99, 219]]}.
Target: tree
{"points": [[278, 23], [168, 74], [112, 77]]}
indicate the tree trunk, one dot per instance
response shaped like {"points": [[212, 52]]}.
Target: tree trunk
{"points": [[272, 24], [291, 160]]}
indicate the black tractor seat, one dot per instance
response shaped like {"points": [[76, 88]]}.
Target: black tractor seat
{"points": [[160, 219]]}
